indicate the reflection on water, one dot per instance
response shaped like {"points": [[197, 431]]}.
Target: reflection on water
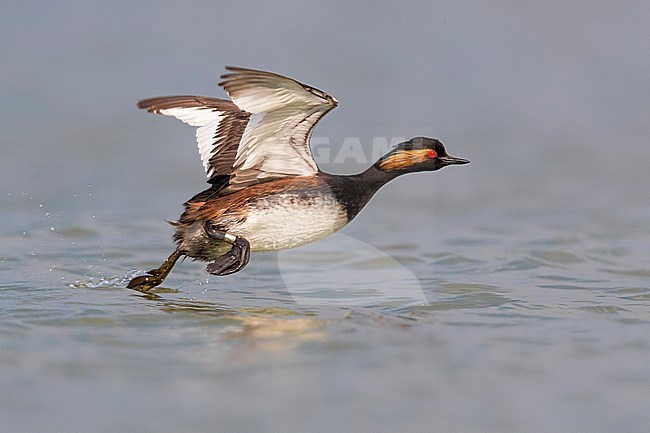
{"points": [[273, 331], [468, 319], [510, 295]]}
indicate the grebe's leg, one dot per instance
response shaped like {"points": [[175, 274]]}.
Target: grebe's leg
{"points": [[155, 277], [235, 259]]}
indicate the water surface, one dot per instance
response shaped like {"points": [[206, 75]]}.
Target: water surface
{"points": [[512, 294]]}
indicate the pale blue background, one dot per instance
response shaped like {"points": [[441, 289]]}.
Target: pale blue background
{"points": [[534, 258]]}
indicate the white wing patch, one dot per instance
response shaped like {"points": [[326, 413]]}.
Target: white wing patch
{"points": [[275, 142], [207, 120], [262, 133]]}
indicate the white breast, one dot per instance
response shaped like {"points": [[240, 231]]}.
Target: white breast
{"points": [[289, 221]]}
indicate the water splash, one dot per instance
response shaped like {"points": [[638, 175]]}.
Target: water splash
{"points": [[103, 282]]}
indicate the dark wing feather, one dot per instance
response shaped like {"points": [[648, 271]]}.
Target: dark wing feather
{"points": [[220, 123], [263, 134], [284, 112]]}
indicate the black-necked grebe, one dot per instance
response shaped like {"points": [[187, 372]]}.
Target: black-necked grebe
{"points": [[267, 193]]}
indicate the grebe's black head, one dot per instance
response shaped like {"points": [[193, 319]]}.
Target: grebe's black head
{"points": [[417, 154]]}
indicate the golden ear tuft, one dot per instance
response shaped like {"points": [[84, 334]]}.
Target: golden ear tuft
{"points": [[403, 159]]}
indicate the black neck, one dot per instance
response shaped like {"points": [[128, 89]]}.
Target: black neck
{"points": [[356, 190], [375, 178]]}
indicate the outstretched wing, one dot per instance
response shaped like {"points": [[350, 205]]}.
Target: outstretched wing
{"points": [[275, 142], [261, 135], [220, 125]]}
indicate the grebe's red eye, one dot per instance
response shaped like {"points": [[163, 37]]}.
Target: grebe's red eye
{"points": [[431, 153]]}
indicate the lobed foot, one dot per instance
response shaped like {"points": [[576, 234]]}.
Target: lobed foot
{"points": [[154, 277], [144, 283], [235, 259]]}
